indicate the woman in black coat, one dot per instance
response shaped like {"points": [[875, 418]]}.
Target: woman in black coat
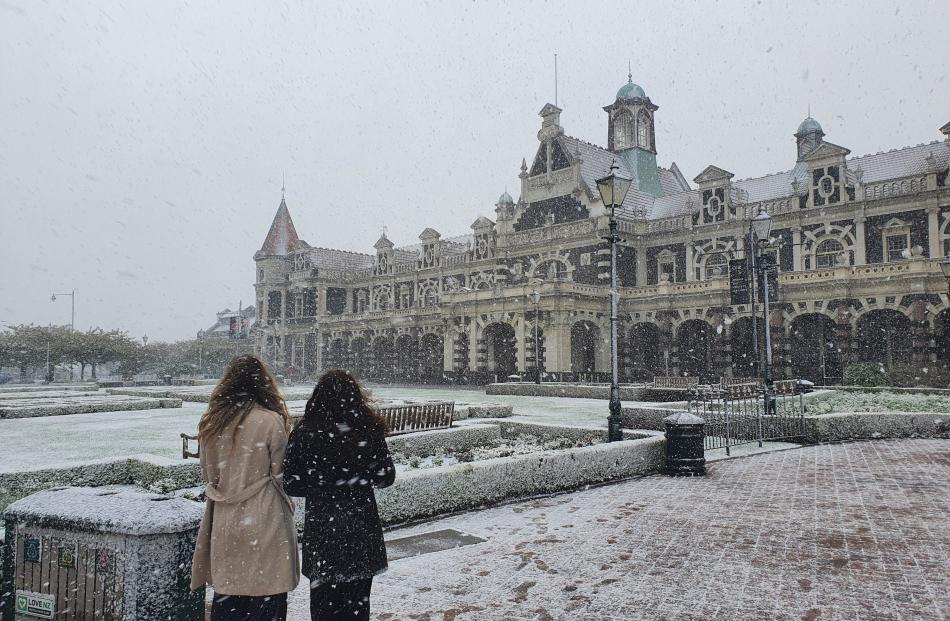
{"points": [[335, 457]]}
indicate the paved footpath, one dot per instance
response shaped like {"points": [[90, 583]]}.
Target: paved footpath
{"points": [[849, 531]]}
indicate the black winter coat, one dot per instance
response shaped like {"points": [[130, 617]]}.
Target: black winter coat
{"points": [[336, 473]]}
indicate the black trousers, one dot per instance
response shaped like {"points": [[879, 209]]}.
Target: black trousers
{"points": [[341, 601], [245, 608]]}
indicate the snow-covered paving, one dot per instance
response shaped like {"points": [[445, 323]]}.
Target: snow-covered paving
{"points": [[803, 534]]}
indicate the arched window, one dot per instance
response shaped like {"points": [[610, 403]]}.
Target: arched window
{"points": [[715, 266], [644, 129], [829, 253], [623, 130], [553, 270]]}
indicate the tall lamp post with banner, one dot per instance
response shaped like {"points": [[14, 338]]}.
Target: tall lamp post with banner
{"points": [[72, 317], [763, 268], [613, 188]]}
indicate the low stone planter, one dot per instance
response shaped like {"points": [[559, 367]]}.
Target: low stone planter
{"points": [[552, 389]]}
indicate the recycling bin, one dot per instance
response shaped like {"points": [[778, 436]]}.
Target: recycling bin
{"points": [[92, 553]]}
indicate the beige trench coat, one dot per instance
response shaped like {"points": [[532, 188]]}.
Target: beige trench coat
{"points": [[247, 541]]}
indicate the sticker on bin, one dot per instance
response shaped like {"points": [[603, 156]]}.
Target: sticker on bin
{"points": [[39, 605], [32, 551]]}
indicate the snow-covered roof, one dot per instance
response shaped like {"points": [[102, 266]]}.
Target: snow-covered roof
{"points": [[904, 162], [282, 237], [331, 259]]}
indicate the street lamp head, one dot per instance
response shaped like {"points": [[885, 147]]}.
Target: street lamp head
{"points": [[762, 226], [945, 268], [613, 188], [536, 296], [52, 298], [145, 339]]}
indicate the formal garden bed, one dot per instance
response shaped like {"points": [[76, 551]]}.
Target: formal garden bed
{"points": [[53, 403]]}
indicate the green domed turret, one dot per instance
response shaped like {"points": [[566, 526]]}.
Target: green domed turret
{"points": [[809, 125], [631, 90]]}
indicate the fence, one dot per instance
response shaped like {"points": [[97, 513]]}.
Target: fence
{"points": [[736, 414], [400, 419]]}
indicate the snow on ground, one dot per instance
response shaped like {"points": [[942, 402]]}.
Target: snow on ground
{"points": [[32, 444], [36, 443]]}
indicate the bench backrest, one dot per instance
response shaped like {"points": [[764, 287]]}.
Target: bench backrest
{"points": [[400, 419], [675, 382]]}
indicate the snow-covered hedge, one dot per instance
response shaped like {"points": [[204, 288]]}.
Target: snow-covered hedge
{"points": [[151, 472], [433, 491], [876, 425]]}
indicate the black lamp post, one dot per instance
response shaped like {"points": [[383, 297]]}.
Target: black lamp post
{"points": [[536, 299], [613, 188], [761, 227], [72, 318]]}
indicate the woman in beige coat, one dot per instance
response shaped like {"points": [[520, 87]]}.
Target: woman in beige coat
{"points": [[247, 542]]}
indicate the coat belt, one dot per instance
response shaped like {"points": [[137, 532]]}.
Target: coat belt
{"points": [[250, 491]]}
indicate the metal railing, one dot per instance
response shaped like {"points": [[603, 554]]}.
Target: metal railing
{"points": [[736, 414]]}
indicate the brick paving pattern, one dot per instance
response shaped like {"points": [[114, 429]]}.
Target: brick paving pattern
{"points": [[851, 531]]}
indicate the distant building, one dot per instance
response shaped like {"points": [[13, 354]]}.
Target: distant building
{"points": [[234, 325], [858, 241]]}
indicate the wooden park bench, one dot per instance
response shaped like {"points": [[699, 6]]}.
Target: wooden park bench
{"points": [[675, 382], [401, 418]]}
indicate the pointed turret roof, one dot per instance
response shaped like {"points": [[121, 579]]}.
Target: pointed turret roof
{"points": [[383, 242], [282, 237]]}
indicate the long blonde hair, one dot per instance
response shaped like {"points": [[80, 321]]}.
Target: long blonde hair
{"points": [[246, 383]]}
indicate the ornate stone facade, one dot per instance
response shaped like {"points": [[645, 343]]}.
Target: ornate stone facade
{"points": [[858, 241]]}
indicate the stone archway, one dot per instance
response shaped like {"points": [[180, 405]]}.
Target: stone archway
{"points": [[383, 362], [693, 338], [746, 361], [406, 358], [645, 353], [336, 354], [501, 351], [431, 353], [884, 336], [814, 352], [359, 358], [585, 340]]}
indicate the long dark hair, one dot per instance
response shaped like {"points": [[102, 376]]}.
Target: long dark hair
{"points": [[340, 406], [246, 383]]}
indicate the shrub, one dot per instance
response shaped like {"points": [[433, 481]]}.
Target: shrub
{"points": [[929, 375], [865, 374]]}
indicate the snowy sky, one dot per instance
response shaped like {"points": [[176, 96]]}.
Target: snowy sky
{"points": [[142, 143]]}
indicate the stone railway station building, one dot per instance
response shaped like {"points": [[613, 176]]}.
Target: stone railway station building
{"points": [[858, 242]]}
